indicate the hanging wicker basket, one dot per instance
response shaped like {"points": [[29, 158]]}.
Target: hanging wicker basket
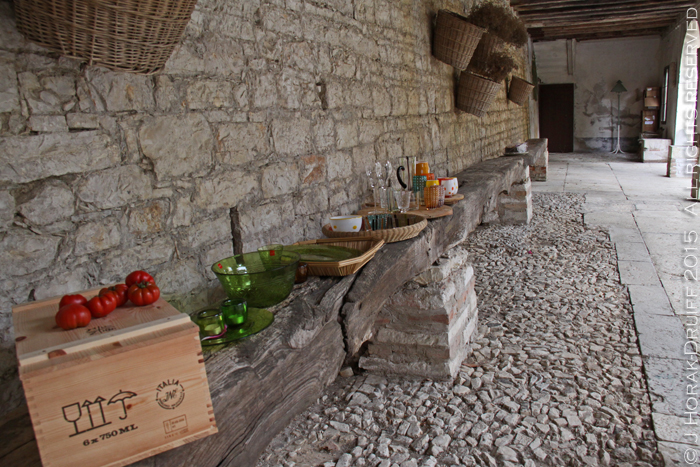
{"points": [[488, 45], [455, 39], [475, 94], [519, 90], [137, 36]]}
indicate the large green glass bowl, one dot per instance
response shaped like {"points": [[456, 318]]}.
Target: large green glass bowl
{"points": [[262, 282]]}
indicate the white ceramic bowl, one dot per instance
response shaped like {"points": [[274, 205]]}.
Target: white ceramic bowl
{"points": [[346, 223]]}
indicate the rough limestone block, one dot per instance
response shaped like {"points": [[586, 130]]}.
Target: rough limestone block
{"points": [[681, 160], [515, 207], [425, 328], [655, 149], [540, 159]]}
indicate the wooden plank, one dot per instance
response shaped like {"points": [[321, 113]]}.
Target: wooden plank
{"points": [[142, 330], [36, 329]]}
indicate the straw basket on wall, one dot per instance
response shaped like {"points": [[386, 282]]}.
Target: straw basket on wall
{"points": [[519, 90], [137, 36], [488, 45], [476, 94], [455, 39]]}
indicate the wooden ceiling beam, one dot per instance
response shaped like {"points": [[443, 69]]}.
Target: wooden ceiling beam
{"points": [[602, 13], [602, 27], [538, 5], [586, 19], [597, 36], [607, 21]]}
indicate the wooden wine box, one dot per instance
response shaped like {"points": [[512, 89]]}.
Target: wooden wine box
{"points": [[126, 387]]}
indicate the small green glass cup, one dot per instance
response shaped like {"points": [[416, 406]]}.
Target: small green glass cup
{"points": [[211, 323], [235, 312]]}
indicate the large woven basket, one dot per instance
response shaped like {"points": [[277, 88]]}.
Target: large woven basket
{"points": [[455, 39], [488, 45], [126, 35], [475, 94], [519, 90]]}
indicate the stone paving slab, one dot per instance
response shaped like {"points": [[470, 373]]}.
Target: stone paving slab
{"points": [[666, 378], [660, 336], [607, 207], [637, 272], [625, 234], [631, 251], [674, 454], [656, 206], [676, 289], [605, 197], [676, 429], [673, 221], [651, 299], [619, 219]]}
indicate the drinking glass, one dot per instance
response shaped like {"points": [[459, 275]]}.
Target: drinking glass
{"points": [[235, 311], [211, 323], [403, 199]]}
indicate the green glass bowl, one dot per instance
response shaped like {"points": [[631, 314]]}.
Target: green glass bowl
{"points": [[260, 281]]}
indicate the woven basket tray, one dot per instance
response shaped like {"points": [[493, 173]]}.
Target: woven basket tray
{"points": [[126, 35], [369, 247], [455, 39], [388, 235], [519, 90], [476, 94]]}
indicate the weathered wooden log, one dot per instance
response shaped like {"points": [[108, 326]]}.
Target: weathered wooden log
{"points": [[398, 263], [259, 384]]}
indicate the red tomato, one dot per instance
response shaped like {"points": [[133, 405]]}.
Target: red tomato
{"points": [[72, 299], [138, 276], [143, 293], [73, 316], [102, 305], [119, 290]]}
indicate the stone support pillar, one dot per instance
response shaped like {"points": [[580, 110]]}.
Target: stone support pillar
{"points": [[425, 328]]}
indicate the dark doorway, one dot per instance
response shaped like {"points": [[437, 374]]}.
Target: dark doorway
{"points": [[557, 116]]}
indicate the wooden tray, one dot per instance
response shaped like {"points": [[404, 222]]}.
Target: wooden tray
{"points": [[368, 245], [388, 235], [442, 211], [454, 199]]}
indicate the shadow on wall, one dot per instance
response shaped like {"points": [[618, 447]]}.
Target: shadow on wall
{"points": [[628, 144]]}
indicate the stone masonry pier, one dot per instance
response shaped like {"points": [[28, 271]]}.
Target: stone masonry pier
{"points": [[260, 384]]}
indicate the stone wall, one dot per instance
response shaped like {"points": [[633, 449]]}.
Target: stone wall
{"points": [[260, 127]]}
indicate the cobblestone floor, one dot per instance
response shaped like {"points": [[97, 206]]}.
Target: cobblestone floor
{"points": [[555, 376]]}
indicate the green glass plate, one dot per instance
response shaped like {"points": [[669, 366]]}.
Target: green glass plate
{"points": [[258, 319], [323, 253]]}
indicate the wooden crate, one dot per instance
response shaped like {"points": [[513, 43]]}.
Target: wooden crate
{"points": [[126, 387], [650, 120]]}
